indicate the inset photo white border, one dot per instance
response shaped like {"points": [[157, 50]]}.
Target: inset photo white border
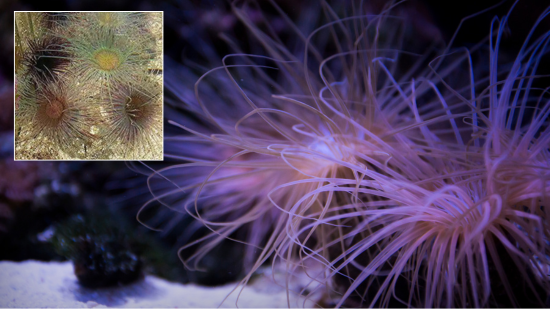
{"points": [[88, 86]]}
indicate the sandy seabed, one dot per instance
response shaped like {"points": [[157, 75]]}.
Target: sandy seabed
{"points": [[53, 285]]}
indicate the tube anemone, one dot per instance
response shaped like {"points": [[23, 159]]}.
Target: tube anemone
{"points": [[281, 140], [57, 114], [380, 162], [45, 58], [134, 116], [101, 57], [480, 226]]}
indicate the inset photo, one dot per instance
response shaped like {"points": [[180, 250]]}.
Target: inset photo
{"points": [[88, 85]]}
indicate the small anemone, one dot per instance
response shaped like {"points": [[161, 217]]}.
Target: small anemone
{"points": [[105, 59], [45, 58], [58, 115], [134, 117]]}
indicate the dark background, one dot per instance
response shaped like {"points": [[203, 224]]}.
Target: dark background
{"points": [[185, 19]]}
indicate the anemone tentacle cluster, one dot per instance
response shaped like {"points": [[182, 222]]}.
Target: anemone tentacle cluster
{"points": [[73, 71], [412, 176]]}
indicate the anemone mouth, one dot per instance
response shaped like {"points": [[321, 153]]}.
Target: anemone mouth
{"points": [[55, 109], [107, 59], [51, 111], [326, 154], [136, 106]]}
